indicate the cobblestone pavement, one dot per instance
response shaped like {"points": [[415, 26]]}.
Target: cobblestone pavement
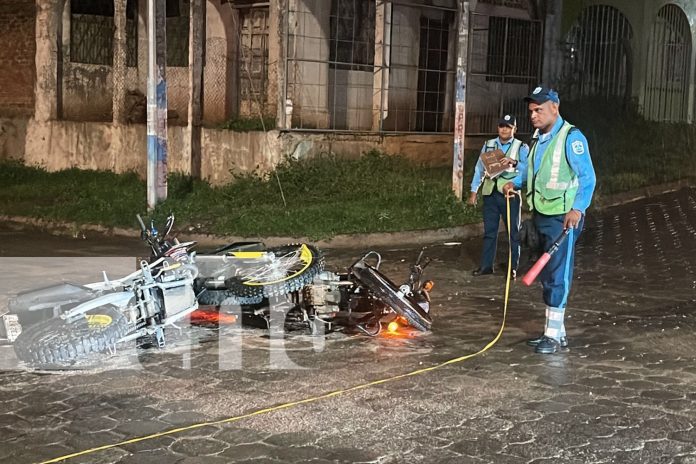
{"points": [[624, 391]]}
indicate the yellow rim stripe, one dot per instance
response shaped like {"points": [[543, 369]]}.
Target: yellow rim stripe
{"points": [[101, 320], [247, 254]]}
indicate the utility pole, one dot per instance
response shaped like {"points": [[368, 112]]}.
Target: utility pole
{"points": [[460, 96], [156, 102]]}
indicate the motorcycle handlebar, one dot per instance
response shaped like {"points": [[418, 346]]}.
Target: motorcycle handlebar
{"points": [[142, 224]]}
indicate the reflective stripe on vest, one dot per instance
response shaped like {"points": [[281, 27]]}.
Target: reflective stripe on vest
{"points": [[552, 189]]}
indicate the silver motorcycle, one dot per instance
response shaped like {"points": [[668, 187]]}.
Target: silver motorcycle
{"points": [[96, 317]]}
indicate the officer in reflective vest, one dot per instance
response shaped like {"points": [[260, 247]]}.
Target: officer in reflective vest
{"points": [[560, 181], [493, 199]]}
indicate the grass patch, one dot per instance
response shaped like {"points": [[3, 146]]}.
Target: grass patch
{"points": [[327, 195], [318, 198]]}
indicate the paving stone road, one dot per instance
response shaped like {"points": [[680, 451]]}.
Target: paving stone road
{"points": [[623, 392]]}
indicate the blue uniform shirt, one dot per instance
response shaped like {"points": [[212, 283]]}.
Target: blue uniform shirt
{"points": [[521, 162], [578, 155]]}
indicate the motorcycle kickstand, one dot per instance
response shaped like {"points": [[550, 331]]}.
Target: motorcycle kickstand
{"points": [[159, 336]]}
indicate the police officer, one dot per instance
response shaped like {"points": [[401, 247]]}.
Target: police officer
{"points": [[560, 181], [494, 202]]}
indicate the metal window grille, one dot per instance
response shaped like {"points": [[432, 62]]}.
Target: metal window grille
{"points": [[352, 39], [504, 64], [178, 32], [519, 4], [597, 55], [336, 82], [433, 65], [510, 54], [91, 31], [669, 51], [253, 69]]}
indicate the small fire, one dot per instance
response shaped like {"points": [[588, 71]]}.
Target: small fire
{"points": [[200, 316], [393, 327]]}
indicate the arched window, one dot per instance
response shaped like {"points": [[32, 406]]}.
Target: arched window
{"points": [[667, 79], [598, 55], [92, 32]]}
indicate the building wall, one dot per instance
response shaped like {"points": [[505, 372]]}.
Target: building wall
{"points": [[641, 14], [17, 68], [57, 145]]}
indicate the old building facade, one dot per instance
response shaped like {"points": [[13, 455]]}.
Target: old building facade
{"points": [[339, 76]]}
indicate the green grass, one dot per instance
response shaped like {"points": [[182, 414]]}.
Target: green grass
{"points": [[325, 196], [318, 198]]}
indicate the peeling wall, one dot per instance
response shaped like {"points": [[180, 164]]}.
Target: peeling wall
{"points": [[58, 145], [433, 150], [13, 135], [87, 92]]}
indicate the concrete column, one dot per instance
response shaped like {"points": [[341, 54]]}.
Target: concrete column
{"points": [[48, 18], [195, 100], [380, 73], [553, 53], [460, 93], [119, 63], [276, 61]]}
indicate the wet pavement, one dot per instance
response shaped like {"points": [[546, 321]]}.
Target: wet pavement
{"points": [[623, 392]]}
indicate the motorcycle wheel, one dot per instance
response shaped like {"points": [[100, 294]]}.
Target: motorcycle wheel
{"points": [[292, 268], [226, 297], [386, 291], [57, 342]]}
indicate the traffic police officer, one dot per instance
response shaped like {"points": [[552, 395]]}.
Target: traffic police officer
{"points": [[494, 202], [560, 181]]}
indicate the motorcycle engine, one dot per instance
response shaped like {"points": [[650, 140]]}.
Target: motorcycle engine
{"points": [[328, 293]]}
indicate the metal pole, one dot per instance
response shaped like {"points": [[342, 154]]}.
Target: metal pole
{"points": [[156, 106], [460, 95]]}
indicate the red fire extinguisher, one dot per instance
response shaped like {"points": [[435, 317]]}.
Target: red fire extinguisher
{"points": [[532, 274]]}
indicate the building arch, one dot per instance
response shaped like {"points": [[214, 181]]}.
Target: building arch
{"points": [[668, 66], [599, 55]]}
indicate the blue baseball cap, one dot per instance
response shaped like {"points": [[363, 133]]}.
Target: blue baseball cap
{"points": [[507, 120], [542, 94]]}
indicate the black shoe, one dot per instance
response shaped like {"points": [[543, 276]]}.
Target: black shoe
{"points": [[547, 345], [513, 274], [537, 340], [480, 272]]}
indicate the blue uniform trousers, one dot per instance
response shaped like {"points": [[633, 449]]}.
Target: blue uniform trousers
{"points": [[493, 209], [557, 275]]}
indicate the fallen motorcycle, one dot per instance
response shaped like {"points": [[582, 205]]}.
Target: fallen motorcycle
{"points": [[66, 322], [110, 312]]}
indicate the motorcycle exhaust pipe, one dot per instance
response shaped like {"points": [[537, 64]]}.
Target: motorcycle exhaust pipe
{"points": [[532, 274]]}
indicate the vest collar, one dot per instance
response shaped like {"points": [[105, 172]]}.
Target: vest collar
{"points": [[554, 130]]}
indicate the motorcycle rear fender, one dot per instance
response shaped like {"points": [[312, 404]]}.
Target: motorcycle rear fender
{"points": [[118, 299], [50, 297]]}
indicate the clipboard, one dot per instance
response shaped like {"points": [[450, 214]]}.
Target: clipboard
{"points": [[491, 163]]}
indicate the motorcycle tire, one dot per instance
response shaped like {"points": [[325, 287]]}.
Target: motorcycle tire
{"points": [[304, 264], [226, 297], [58, 342], [386, 291]]}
